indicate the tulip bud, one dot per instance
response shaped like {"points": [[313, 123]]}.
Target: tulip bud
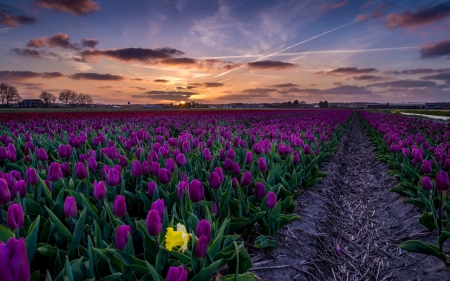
{"points": [[214, 180], [177, 274], [170, 164], [206, 154], [248, 157], [228, 164], [260, 190], [120, 206], [181, 160], [153, 221], [236, 168], [426, 183], [203, 229], [20, 188], [296, 158], [29, 147], [214, 208], [235, 183], [164, 175], [123, 161], [219, 171], [151, 187], [262, 165], [182, 186], [70, 207], [99, 190], [80, 171], [159, 206], [196, 191], [122, 236], [114, 177], [442, 181], [230, 153], [146, 169], [65, 170], [155, 168], [186, 147], [41, 154], [136, 170], [92, 164], [447, 164], [54, 172], [201, 247], [426, 166], [15, 218], [271, 200], [222, 154], [31, 176], [14, 260], [5, 194], [307, 150], [246, 179]]}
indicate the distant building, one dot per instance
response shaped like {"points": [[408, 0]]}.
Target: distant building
{"points": [[31, 103]]}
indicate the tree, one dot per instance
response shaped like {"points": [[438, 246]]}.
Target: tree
{"points": [[325, 104], [48, 98], [65, 96], [9, 94], [320, 104], [295, 103], [3, 88], [85, 99]]}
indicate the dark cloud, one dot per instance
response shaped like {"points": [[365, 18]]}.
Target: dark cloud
{"points": [[340, 90], [338, 83], [348, 70], [432, 50], [180, 88], [137, 79], [417, 71], [190, 87], [96, 76], [285, 85], [107, 87], [258, 90], [132, 54], [207, 85], [422, 17], [161, 81], [9, 75], [89, 42], [75, 7], [139, 88], [369, 77], [15, 20], [27, 52], [166, 95], [58, 40], [178, 61], [440, 76], [404, 84], [269, 64]]}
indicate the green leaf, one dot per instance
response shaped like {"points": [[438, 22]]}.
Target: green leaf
{"points": [[241, 277], [423, 248], [112, 277], [77, 233], [207, 273], [215, 245], [61, 230], [134, 263], [32, 239], [5, 234], [428, 220], [444, 236], [263, 242]]}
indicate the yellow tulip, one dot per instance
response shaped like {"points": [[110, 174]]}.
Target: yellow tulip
{"points": [[180, 238]]}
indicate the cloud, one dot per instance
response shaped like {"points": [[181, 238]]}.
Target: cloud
{"points": [[15, 20], [137, 79], [161, 81], [75, 7], [378, 13], [334, 6], [27, 52], [106, 87], [258, 90], [10, 75], [139, 88], [340, 90], [269, 64], [28, 85], [244, 97], [58, 40], [285, 85], [206, 85], [96, 76], [338, 83], [422, 17], [432, 50], [404, 84], [417, 71], [132, 54], [347, 70], [176, 96], [440, 76], [89, 42], [369, 77]]}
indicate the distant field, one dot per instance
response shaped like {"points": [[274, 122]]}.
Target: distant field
{"points": [[431, 112]]}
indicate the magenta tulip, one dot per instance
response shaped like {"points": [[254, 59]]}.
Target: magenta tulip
{"points": [[271, 200], [31, 177], [153, 222], [70, 207], [99, 190], [122, 236], [15, 217], [14, 265], [177, 274], [196, 191], [159, 206], [120, 206]]}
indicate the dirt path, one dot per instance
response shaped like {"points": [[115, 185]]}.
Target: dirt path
{"points": [[352, 208]]}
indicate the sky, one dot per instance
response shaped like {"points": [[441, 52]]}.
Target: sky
{"points": [[226, 51]]}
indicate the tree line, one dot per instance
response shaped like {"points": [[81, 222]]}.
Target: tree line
{"points": [[9, 95]]}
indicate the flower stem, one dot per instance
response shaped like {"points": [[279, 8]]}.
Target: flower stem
{"points": [[198, 210], [440, 220], [1, 214]]}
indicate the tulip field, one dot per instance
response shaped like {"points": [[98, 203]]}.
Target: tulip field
{"points": [[177, 195], [418, 153]]}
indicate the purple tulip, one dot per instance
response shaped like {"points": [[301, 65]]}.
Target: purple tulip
{"points": [[5, 194], [29, 147], [206, 154], [196, 191], [262, 165], [203, 229], [136, 170], [159, 206], [222, 154], [31, 177], [3, 153], [228, 164], [120, 206], [123, 161], [70, 207], [236, 168], [260, 190], [16, 175], [259, 149], [219, 171], [201, 247], [54, 172], [296, 158], [307, 150], [9, 180], [15, 218], [80, 170], [92, 164], [235, 183], [447, 164], [114, 177], [426, 166], [154, 168], [181, 160], [164, 175], [214, 180], [426, 183], [122, 236], [146, 169], [442, 181], [271, 200], [20, 188], [14, 261], [151, 187], [153, 222], [99, 190], [248, 157], [186, 147], [42, 154], [170, 164], [64, 151], [65, 169], [177, 274], [246, 179], [182, 186], [230, 153]]}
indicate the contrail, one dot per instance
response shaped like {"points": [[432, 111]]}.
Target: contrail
{"points": [[304, 41]]}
